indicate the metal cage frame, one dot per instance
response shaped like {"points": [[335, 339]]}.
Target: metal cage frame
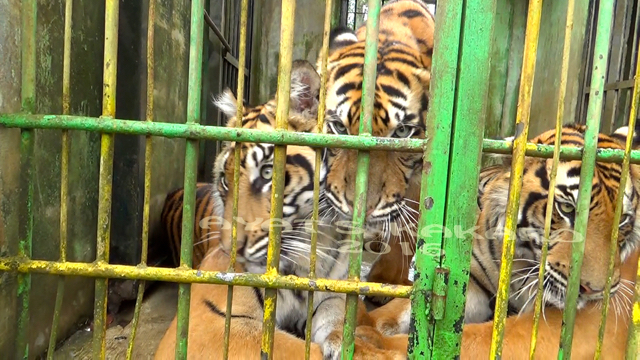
{"points": [[455, 126]]}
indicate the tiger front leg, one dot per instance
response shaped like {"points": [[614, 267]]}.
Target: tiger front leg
{"points": [[327, 331]]}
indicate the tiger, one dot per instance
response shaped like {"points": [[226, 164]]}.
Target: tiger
{"points": [[209, 302], [171, 219], [405, 47], [493, 189]]}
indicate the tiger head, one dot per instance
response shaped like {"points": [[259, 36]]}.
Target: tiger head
{"points": [[400, 108], [256, 169], [493, 196]]}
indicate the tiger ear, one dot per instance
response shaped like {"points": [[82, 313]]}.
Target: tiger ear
{"points": [[305, 88], [227, 104], [340, 37]]}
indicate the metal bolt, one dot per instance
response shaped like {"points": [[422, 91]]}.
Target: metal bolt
{"points": [[428, 202]]}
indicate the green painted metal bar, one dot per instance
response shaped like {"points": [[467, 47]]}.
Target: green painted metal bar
{"points": [[106, 175], [324, 53], [201, 132], [28, 94], [594, 112], [148, 156], [362, 172], [474, 67], [236, 171], [183, 275], [517, 169], [619, 203], [64, 176], [446, 51], [190, 171], [277, 182], [562, 92]]}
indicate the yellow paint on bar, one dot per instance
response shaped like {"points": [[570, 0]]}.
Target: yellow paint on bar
{"points": [[517, 166], [562, 92], [277, 181]]}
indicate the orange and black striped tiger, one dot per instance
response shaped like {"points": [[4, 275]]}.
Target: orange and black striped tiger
{"points": [[493, 194], [204, 237], [401, 101]]}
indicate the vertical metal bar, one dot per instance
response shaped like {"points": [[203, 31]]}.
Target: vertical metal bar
{"points": [[470, 108], [447, 37], [106, 174], [28, 33], [562, 92], [148, 153], [594, 112], [64, 176], [517, 166], [362, 174], [324, 53], [244, 11], [190, 171], [618, 211], [277, 189], [634, 326]]}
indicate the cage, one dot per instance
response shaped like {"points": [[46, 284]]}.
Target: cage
{"points": [[79, 189]]}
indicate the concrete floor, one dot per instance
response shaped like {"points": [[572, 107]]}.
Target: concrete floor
{"points": [[158, 309]]}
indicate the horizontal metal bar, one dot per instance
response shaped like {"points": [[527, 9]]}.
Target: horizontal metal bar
{"points": [[618, 85], [182, 275], [234, 62], [201, 132]]}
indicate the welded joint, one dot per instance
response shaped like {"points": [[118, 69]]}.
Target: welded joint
{"points": [[439, 296]]}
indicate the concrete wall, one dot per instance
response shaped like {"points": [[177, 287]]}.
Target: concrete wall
{"points": [[307, 41], [170, 99]]}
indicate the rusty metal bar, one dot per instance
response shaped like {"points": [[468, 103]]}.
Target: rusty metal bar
{"points": [[594, 113], [106, 174], [362, 174], [182, 275], [28, 94], [244, 13], [619, 205], [517, 166], [562, 92], [190, 171], [64, 175], [202, 132], [324, 53], [277, 182], [148, 153]]}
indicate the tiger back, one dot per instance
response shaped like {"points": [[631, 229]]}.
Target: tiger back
{"points": [[204, 237]]}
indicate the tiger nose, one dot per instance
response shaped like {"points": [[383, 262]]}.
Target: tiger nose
{"points": [[585, 289]]}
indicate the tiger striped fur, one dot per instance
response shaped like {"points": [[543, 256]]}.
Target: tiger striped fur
{"points": [[204, 238], [493, 190], [209, 302], [401, 101]]}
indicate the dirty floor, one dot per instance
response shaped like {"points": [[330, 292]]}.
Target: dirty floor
{"points": [[158, 309], [157, 312]]}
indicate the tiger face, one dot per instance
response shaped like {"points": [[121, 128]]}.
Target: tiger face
{"points": [[493, 196], [400, 107], [256, 171]]}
